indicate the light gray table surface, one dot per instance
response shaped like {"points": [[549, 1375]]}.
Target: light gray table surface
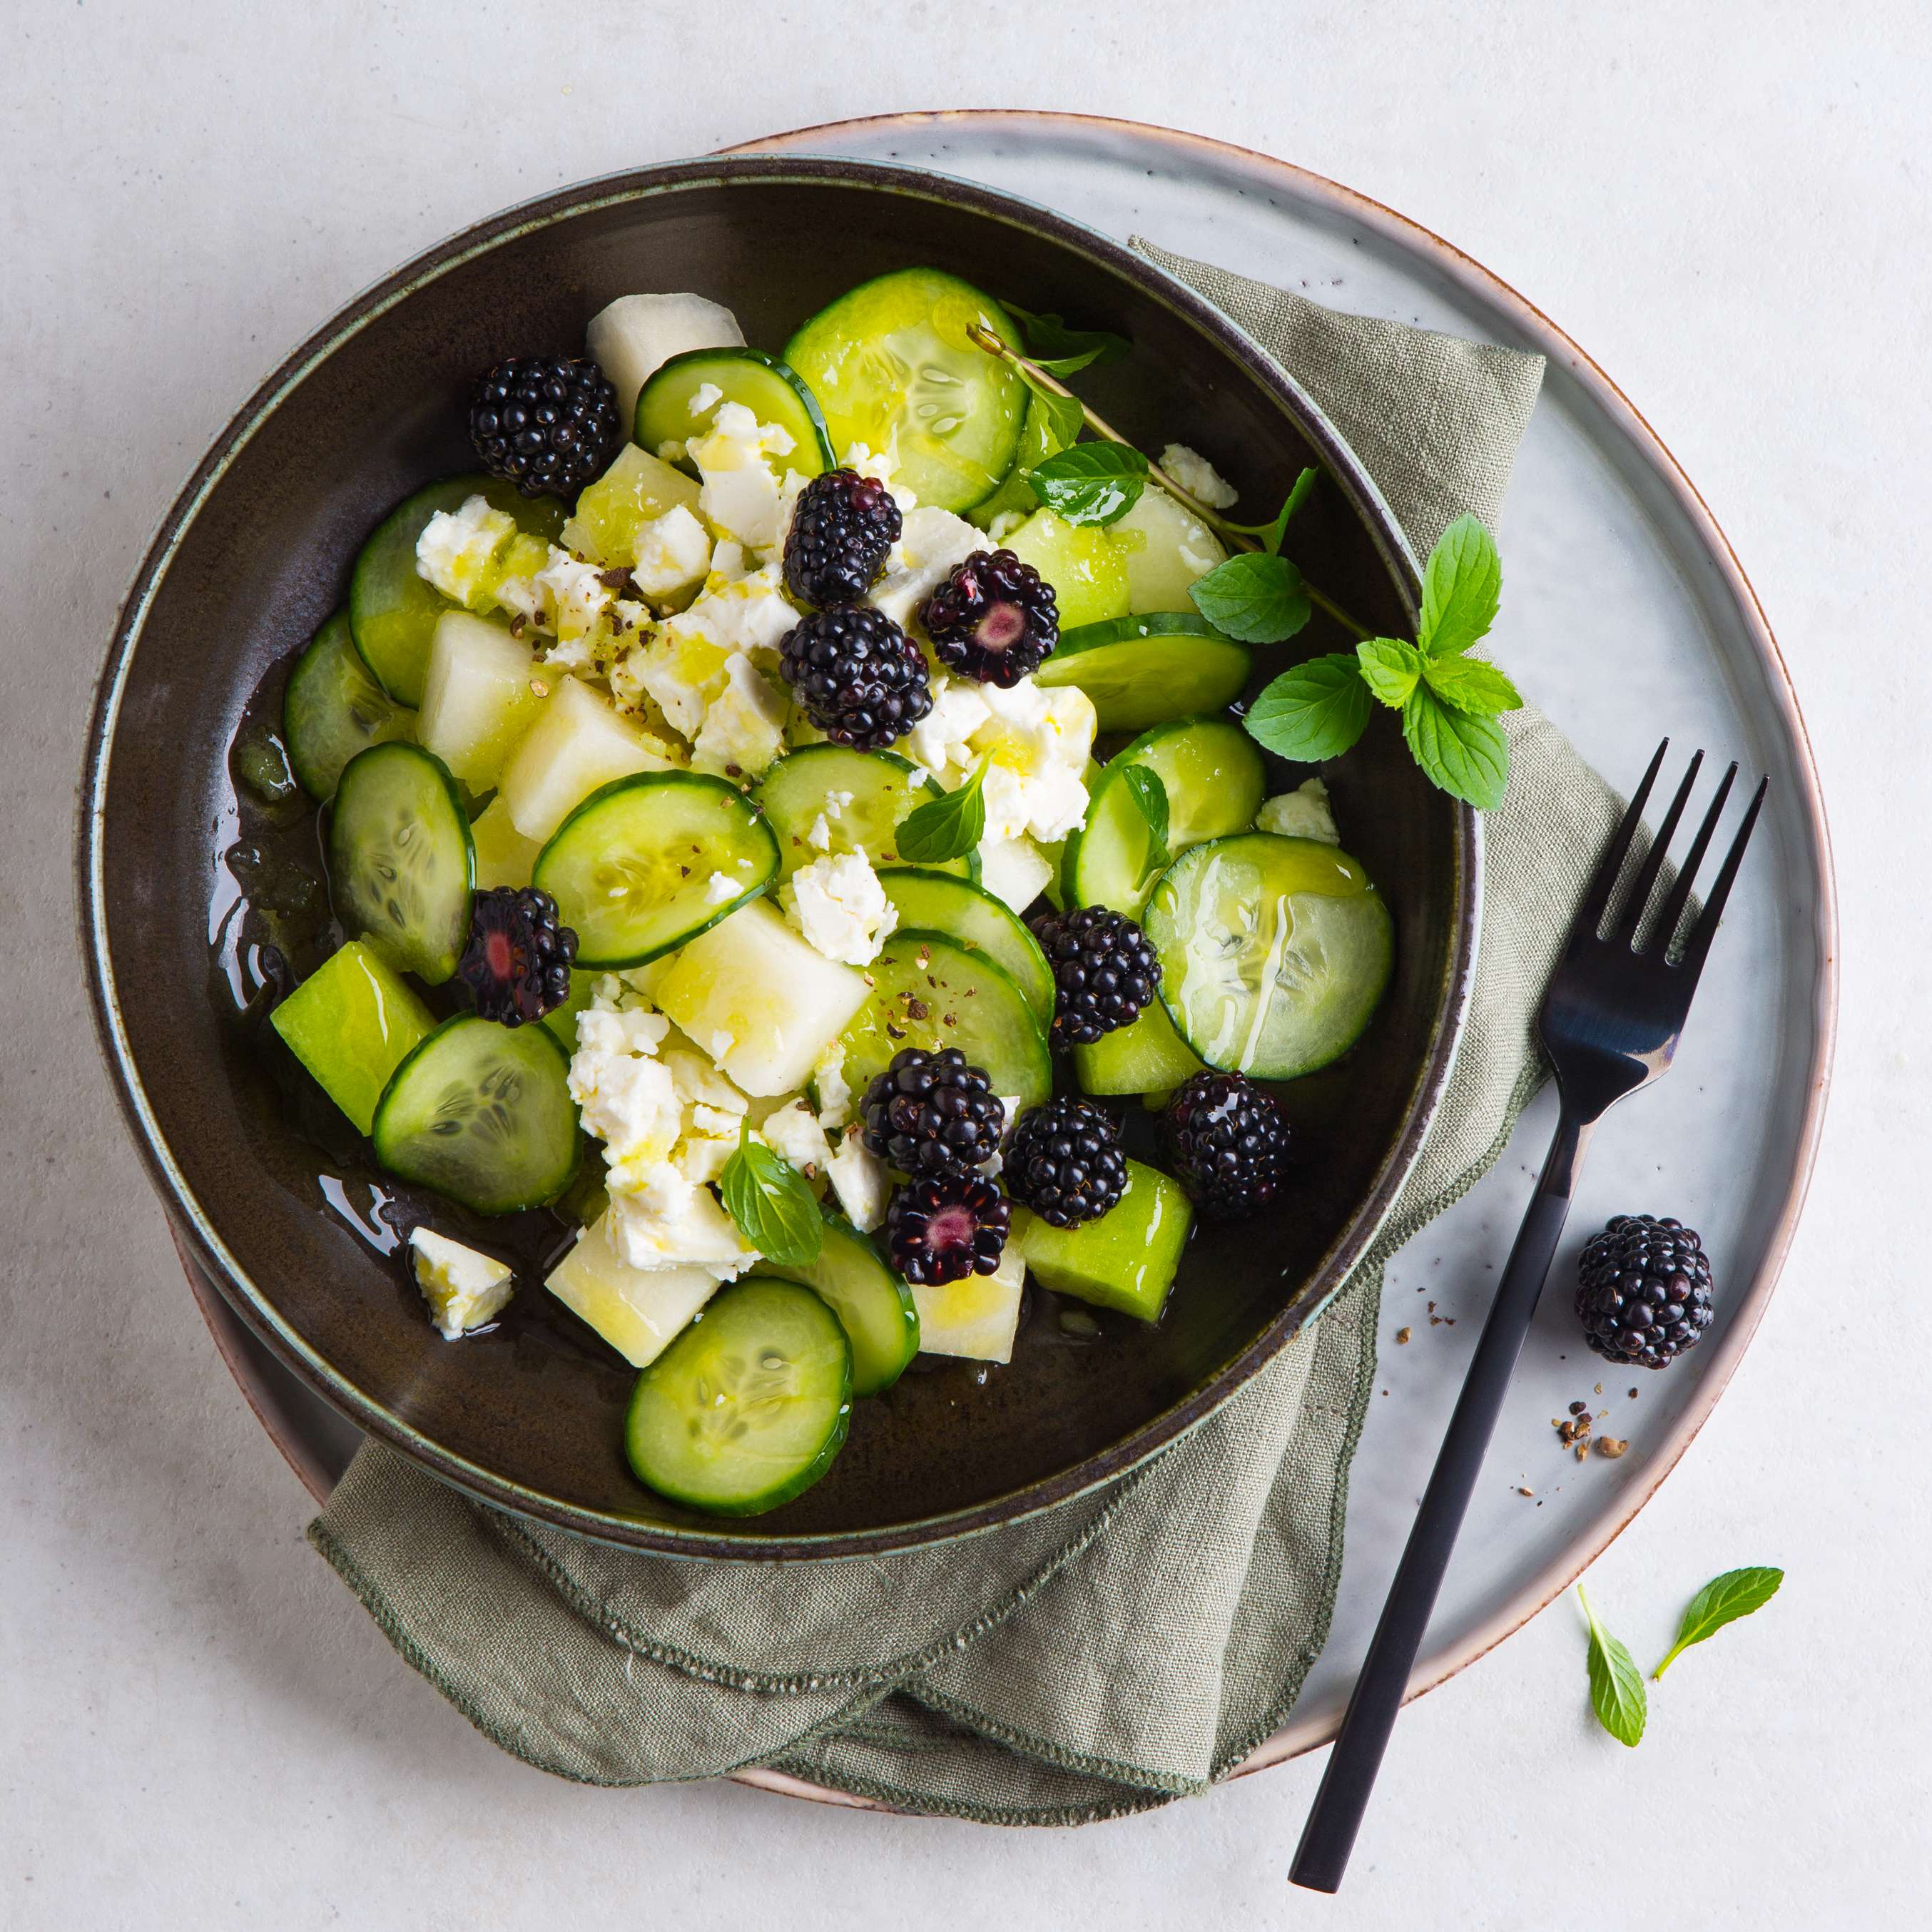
{"points": [[1730, 212]]}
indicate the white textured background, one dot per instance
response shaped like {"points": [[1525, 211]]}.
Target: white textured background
{"points": [[1727, 205]]}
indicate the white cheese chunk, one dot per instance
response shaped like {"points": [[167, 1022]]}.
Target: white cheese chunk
{"points": [[463, 1289], [858, 1178], [839, 905], [458, 546], [1198, 476], [1303, 813]]}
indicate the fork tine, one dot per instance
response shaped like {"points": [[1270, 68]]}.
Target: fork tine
{"points": [[1672, 913], [1632, 915], [1702, 934], [1590, 912]]}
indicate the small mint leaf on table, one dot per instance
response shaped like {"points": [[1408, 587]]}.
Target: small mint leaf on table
{"points": [[1091, 482], [1468, 684], [943, 828], [1391, 669], [1313, 712], [1254, 597], [1721, 1601], [1461, 587], [1060, 350], [771, 1204], [1272, 533], [1616, 1685], [1149, 794], [1467, 756]]}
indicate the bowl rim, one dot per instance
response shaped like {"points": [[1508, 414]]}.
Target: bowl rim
{"points": [[196, 1227]]}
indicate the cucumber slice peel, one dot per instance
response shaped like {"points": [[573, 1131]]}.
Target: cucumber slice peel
{"points": [[334, 708], [878, 790], [942, 902], [874, 1305], [483, 1114], [1274, 952], [1146, 671], [401, 863], [747, 1408], [631, 869], [771, 389]]}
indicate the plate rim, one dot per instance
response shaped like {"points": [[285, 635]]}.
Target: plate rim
{"points": [[189, 1222]]}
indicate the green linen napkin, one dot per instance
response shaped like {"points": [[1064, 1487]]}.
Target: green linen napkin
{"points": [[1129, 1646]]}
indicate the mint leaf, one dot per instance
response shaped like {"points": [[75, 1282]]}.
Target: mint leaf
{"points": [[1470, 685], [1722, 1600], [1053, 423], [1271, 534], [1314, 712], [1149, 794], [1616, 1684], [1462, 587], [1091, 482], [944, 828], [1061, 350], [1466, 756], [773, 1207], [1257, 599], [1391, 669]]}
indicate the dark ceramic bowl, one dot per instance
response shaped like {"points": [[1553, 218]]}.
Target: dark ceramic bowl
{"points": [[255, 555]]}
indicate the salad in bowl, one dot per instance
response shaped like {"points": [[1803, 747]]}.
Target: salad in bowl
{"points": [[787, 816]]}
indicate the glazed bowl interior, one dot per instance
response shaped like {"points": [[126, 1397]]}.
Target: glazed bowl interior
{"points": [[256, 556]]}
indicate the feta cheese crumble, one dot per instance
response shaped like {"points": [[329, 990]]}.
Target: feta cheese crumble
{"points": [[674, 552], [719, 887], [1303, 813], [739, 490], [743, 730], [858, 1178], [457, 547], [1037, 743], [839, 905], [463, 1289], [1198, 476]]}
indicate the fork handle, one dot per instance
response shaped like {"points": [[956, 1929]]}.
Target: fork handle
{"points": [[1328, 1837]]}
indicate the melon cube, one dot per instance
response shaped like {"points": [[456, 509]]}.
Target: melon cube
{"points": [[976, 1317], [1169, 548], [632, 338], [1127, 1259], [640, 1312], [577, 743], [1087, 566], [478, 698], [504, 856], [761, 1002], [352, 1023], [637, 489]]}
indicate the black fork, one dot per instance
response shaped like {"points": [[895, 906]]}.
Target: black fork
{"points": [[1610, 1021]]}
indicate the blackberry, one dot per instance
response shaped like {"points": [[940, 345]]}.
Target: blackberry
{"points": [[1065, 1161], [547, 424], [994, 618], [858, 677], [945, 1227], [1227, 1142], [841, 530], [1643, 1291], [1104, 971], [516, 964], [930, 1113]]}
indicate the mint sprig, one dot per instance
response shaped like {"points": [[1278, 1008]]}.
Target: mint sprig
{"points": [[1090, 482], [1254, 596], [1149, 794], [943, 828], [774, 1209], [1449, 702], [1616, 1685], [1272, 533], [1060, 350], [1721, 1601]]}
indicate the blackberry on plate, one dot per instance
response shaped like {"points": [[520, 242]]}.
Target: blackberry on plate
{"points": [[1227, 1142], [994, 618], [547, 424], [516, 964], [858, 677], [930, 1113], [1643, 1291], [841, 530], [1064, 1162], [945, 1227], [1104, 971]]}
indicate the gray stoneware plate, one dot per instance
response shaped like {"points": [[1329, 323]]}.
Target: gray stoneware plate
{"points": [[1599, 502], [284, 1210]]}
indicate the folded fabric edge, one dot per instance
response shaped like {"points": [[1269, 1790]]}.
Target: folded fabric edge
{"points": [[897, 1798], [890, 1673]]}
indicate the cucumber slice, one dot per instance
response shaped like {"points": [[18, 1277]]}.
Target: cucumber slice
{"points": [[773, 393], [1212, 776], [400, 862], [633, 868], [334, 708], [352, 1023], [1274, 952], [1127, 1259], [891, 358], [862, 795], [874, 1306], [392, 611], [942, 902], [749, 1406], [1147, 1056], [483, 1114], [1146, 670], [930, 991], [1087, 568]]}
